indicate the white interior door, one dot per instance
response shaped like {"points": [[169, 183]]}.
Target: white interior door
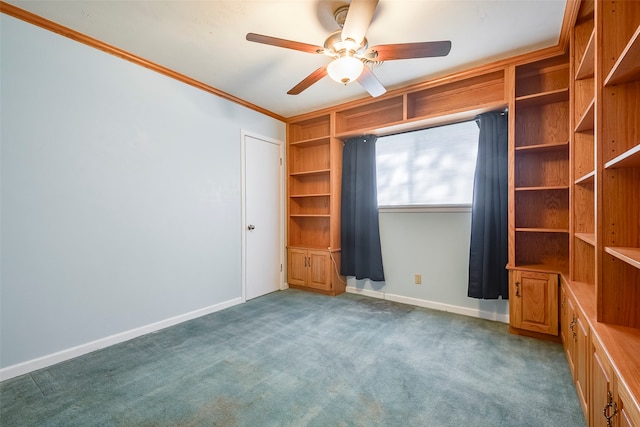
{"points": [[263, 244]]}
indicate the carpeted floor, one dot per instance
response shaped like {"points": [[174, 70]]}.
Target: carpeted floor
{"points": [[293, 358]]}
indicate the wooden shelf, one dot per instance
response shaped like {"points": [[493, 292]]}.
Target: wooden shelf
{"points": [[589, 238], [557, 146], [462, 95], [309, 129], [544, 188], [313, 172], [384, 112], [541, 268], [587, 120], [312, 142], [627, 68], [311, 246], [542, 230], [543, 98], [586, 179], [309, 215], [386, 128], [587, 65], [629, 255], [310, 195], [629, 159]]}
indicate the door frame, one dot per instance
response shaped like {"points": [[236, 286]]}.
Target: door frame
{"points": [[282, 204]]}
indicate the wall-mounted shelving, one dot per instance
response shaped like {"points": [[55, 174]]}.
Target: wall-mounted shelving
{"points": [[462, 95], [604, 280], [313, 166], [618, 142], [540, 167], [574, 186], [439, 104]]}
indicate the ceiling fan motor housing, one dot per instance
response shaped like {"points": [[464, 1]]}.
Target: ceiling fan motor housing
{"points": [[340, 15]]}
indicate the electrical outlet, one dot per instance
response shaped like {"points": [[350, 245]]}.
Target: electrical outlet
{"points": [[418, 279]]}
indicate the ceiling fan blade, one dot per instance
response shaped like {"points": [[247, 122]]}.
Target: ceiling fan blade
{"points": [[388, 52], [371, 83], [308, 81], [289, 44], [358, 19]]}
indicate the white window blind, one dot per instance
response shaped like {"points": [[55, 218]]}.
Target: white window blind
{"points": [[429, 167]]}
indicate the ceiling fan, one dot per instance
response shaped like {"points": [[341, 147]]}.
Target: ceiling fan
{"points": [[349, 49]]}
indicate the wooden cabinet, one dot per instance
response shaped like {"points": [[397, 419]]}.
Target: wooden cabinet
{"points": [[576, 339], [580, 337], [603, 404], [309, 268], [612, 404], [538, 193], [313, 164], [534, 301], [628, 411]]}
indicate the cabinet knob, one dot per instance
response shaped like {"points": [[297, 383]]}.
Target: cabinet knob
{"points": [[518, 289]]}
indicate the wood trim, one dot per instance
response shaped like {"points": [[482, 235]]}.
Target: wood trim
{"points": [[570, 15], [510, 88], [54, 27], [568, 22]]}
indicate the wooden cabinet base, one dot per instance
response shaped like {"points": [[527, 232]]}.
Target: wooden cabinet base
{"points": [[315, 270], [532, 334], [339, 290], [533, 304]]}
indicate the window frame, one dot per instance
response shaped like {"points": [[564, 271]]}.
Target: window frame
{"points": [[430, 208]]}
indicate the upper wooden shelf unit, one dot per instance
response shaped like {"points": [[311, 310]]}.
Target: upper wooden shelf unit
{"points": [[448, 102]]}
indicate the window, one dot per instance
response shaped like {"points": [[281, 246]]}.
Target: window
{"points": [[429, 167]]}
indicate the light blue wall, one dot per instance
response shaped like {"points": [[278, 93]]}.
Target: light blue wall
{"points": [[120, 192], [435, 245]]}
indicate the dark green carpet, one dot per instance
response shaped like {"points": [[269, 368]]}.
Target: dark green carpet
{"points": [[293, 358]]}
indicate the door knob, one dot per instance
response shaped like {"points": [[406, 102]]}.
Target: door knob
{"points": [[251, 227]]}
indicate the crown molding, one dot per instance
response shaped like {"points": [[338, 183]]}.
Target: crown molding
{"points": [[41, 22]]}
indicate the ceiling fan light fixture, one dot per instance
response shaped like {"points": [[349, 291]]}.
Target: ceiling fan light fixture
{"points": [[345, 69]]}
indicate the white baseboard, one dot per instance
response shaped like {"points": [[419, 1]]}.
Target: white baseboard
{"points": [[365, 292], [466, 311], [51, 359]]}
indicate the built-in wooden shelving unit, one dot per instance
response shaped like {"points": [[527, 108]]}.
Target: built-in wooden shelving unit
{"points": [[602, 291], [574, 189]]}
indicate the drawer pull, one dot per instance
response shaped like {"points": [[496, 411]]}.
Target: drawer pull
{"points": [[606, 411]]}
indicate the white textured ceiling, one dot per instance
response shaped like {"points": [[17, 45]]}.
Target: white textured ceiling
{"points": [[205, 40]]}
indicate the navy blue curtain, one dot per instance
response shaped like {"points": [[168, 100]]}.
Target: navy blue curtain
{"points": [[489, 253], [361, 255]]}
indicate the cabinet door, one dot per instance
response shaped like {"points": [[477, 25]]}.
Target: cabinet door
{"points": [[629, 413], [601, 386], [564, 319], [297, 267], [582, 362], [570, 336], [319, 270], [534, 301]]}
